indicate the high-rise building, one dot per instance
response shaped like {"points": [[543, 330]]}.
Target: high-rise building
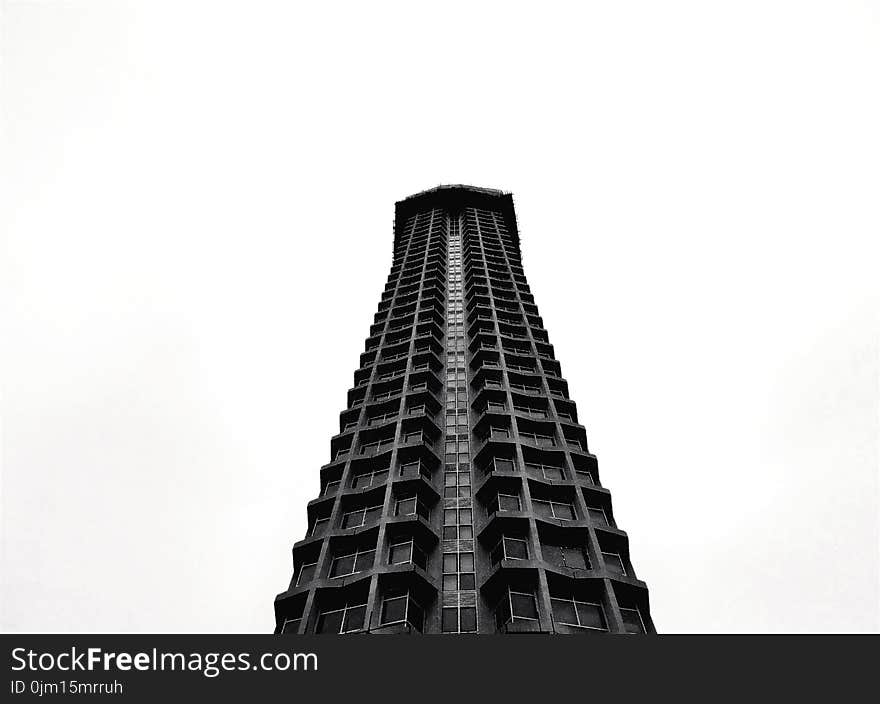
{"points": [[460, 496]]}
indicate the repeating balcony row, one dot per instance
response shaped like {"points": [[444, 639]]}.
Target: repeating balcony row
{"points": [[403, 273], [507, 553], [522, 362], [489, 246], [490, 243], [396, 351], [426, 272], [431, 288], [404, 602], [407, 258], [431, 330], [433, 314], [355, 500], [490, 229], [415, 295], [496, 282], [396, 364], [490, 342], [380, 430], [493, 313], [422, 238], [417, 382], [503, 271], [388, 350], [508, 544], [576, 606], [420, 243], [508, 305], [508, 556], [531, 421], [522, 424], [533, 384], [499, 293], [434, 277], [380, 412], [511, 330], [399, 310], [491, 400], [490, 383], [476, 255]]}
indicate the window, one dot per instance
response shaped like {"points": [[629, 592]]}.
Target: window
{"points": [[361, 516], [598, 515], [554, 509], [347, 619], [360, 481], [330, 488], [537, 439], [417, 437], [415, 469], [586, 475], [525, 387], [566, 556], [499, 433], [458, 562], [352, 563], [458, 571], [371, 448], [305, 574], [319, 527], [459, 620], [614, 563], [632, 621], [544, 471], [504, 502], [407, 552], [452, 516], [401, 607], [580, 614], [501, 464], [411, 506], [458, 532], [291, 625], [516, 606], [510, 549], [376, 420]]}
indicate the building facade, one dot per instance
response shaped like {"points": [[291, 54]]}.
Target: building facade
{"points": [[460, 496]]}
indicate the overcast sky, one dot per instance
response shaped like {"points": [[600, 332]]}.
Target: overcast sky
{"points": [[198, 205]]}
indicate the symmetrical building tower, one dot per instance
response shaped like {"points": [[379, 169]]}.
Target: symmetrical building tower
{"points": [[460, 496]]}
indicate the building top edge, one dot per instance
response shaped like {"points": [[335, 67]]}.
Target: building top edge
{"points": [[455, 187]]}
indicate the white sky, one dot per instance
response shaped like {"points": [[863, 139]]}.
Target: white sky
{"points": [[199, 202]]}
